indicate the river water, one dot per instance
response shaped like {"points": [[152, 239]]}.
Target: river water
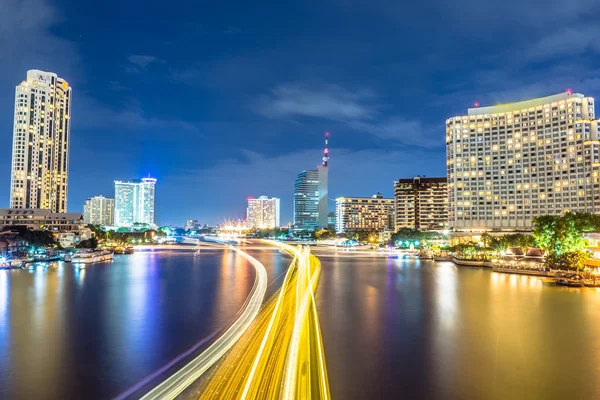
{"points": [[391, 328]]}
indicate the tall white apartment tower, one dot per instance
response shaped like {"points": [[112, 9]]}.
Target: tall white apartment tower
{"points": [[511, 162], [134, 202], [263, 213], [41, 132], [99, 210]]}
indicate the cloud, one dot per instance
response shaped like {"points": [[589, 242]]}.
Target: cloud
{"points": [[359, 110], [572, 40], [328, 101], [141, 62]]}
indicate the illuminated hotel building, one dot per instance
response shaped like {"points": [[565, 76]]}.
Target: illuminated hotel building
{"points": [[99, 210], [364, 214], [263, 213], [511, 162], [311, 195], [134, 202], [421, 203], [40, 152]]}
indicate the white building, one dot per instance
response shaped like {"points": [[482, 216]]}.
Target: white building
{"points": [[40, 153], [134, 202], [311, 195], [511, 162], [263, 213], [99, 210], [364, 214]]}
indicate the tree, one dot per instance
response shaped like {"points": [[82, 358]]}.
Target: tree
{"points": [[91, 243], [561, 236], [36, 238], [323, 234], [563, 233]]}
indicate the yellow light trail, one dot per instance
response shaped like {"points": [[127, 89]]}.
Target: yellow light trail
{"points": [[178, 382], [281, 355]]}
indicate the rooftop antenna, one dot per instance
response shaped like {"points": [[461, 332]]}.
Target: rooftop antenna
{"points": [[326, 152]]}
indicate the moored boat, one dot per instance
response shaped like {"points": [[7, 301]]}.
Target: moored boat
{"points": [[11, 264], [572, 280], [88, 257]]}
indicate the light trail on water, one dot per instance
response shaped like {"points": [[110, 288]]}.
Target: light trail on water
{"points": [[179, 381], [281, 355]]}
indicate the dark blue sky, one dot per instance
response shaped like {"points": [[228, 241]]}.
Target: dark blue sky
{"points": [[229, 99]]}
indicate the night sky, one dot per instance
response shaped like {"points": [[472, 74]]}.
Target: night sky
{"points": [[223, 100]]}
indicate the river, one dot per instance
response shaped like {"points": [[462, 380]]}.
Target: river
{"points": [[391, 328]]}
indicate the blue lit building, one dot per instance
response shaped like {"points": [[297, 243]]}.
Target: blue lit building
{"points": [[134, 202], [311, 195]]}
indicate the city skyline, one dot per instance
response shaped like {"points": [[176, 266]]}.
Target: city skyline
{"points": [[240, 115]]}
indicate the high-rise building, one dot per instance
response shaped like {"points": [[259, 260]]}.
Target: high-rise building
{"points": [[331, 220], [134, 202], [191, 224], [99, 210], [40, 153], [364, 214], [263, 213], [421, 203], [511, 162], [311, 195]]}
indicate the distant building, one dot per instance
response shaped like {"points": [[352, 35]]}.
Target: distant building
{"points": [[311, 195], [331, 220], [421, 203], [364, 214], [40, 153], [263, 213], [512, 162], [134, 202], [99, 210], [191, 224]]}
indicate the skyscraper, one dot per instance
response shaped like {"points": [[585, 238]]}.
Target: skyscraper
{"points": [[311, 195], [421, 203], [99, 210], [263, 213], [134, 202], [508, 163], [40, 153]]}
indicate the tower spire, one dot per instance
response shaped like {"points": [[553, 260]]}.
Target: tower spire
{"points": [[326, 151]]}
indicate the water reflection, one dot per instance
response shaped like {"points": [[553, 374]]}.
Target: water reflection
{"points": [[92, 333], [453, 332]]}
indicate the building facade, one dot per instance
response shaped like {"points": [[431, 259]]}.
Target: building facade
{"points": [[421, 203], [99, 210], [40, 219], [311, 195], [134, 202], [263, 213], [509, 163], [40, 151], [364, 214]]}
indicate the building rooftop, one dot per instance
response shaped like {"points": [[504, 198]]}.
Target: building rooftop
{"points": [[423, 180], [363, 198], [37, 212], [520, 105]]}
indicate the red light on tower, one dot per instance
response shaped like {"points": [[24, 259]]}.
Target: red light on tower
{"points": [[476, 104], [569, 91]]}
